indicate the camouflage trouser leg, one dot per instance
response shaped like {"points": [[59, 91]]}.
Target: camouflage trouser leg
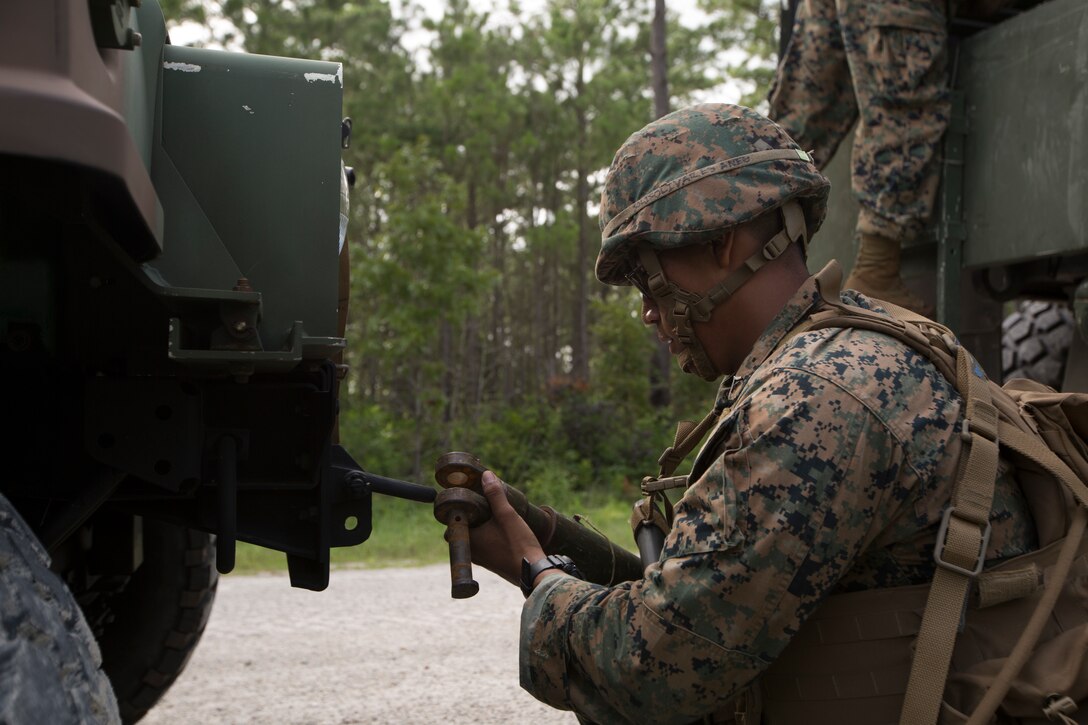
{"points": [[813, 95], [897, 55]]}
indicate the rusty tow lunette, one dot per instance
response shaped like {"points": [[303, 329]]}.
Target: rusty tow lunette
{"points": [[461, 505]]}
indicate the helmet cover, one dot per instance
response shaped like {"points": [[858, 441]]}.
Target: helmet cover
{"points": [[695, 173]]}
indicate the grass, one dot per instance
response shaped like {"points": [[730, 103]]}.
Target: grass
{"points": [[407, 534]]}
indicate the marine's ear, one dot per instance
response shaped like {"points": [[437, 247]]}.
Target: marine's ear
{"points": [[725, 249]]}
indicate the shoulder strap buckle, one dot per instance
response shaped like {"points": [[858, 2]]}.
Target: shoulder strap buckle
{"points": [[942, 540], [983, 431]]}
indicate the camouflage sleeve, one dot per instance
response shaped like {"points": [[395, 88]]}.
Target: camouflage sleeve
{"points": [[806, 478]]}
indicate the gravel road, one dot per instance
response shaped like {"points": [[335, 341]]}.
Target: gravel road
{"points": [[378, 646]]}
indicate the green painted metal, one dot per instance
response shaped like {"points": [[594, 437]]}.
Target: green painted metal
{"points": [[243, 363], [950, 229], [141, 72], [1026, 173], [248, 170]]}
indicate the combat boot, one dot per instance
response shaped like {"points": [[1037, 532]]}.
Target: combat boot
{"points": [[876, 274]]}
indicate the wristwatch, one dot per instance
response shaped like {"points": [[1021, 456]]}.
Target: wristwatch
{"points": [[529, 572]]}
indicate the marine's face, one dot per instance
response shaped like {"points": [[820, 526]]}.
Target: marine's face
{"points": [[651, 316]]}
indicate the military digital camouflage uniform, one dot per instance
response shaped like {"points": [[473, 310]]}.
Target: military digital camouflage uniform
{"points": [[828, 472], [889, 60]]}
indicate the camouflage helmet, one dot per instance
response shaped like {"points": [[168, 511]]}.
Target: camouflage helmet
{"points": [[693, 174]]}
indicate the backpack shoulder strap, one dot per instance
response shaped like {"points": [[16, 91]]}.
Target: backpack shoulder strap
{"points": [[964, 533], [960, 550], [965, 527]]}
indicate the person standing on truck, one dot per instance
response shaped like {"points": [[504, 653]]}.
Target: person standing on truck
{"points": [[886, 61], [832, 460]]}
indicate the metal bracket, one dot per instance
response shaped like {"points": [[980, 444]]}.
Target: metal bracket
{"points": [[110, 21]]}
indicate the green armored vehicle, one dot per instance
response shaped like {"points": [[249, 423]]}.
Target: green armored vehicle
{"points": [[171, 226], [1013, 217]]}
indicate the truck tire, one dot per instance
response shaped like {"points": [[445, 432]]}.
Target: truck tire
{"points": [[155, 622], [1035, 342], [50, 666]]}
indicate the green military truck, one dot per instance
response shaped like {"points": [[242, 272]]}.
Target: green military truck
{"points": [[1013, 218], [171, 224]]}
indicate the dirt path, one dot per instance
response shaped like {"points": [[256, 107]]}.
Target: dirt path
{"points": [[378, 646]]}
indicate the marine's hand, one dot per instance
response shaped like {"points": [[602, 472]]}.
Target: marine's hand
{"points": [[505, 539]]}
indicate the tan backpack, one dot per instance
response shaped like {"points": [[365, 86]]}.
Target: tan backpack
{"points": [[1042, 672]]}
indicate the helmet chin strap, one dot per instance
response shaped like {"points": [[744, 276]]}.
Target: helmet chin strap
{"points": [[681, 308]]}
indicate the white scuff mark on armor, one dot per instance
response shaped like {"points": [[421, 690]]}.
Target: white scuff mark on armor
{"points": [[183, 67], [248, 109], [337, 77]]}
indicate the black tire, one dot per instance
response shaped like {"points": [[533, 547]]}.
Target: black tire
{"points": [[155, 622], [50, 666], [1035, 342]]}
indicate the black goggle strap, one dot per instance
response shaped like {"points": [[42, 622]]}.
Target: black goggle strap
{"points": [[670, 297], [676, 304]]}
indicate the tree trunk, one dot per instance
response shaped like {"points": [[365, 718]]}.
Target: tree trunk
{"points": [[500, 334], [660, 360], [580, 338], [445, 344], [659, 61]]}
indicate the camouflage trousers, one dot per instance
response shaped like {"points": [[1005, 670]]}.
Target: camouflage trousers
{"points": [[887, 61]]}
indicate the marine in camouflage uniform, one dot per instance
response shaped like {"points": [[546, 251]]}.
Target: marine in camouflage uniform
{"points": [[888, 62], [832, 460], [828, 473]]}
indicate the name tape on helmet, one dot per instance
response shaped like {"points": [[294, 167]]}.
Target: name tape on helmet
{"points": [[680, 182]]}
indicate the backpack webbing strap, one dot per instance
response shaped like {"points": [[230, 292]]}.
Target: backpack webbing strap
{"points": [[688, 435], [964, 533], [960, 551], [1032, 448]]}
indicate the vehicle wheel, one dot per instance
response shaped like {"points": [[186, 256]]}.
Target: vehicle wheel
{"points": [[154, 623], [50, 665], [1035, 342]]}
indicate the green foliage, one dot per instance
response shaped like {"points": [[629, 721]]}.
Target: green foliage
{"points": [[619, 368], [404, 532], [180, 10], [749, 28]]}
